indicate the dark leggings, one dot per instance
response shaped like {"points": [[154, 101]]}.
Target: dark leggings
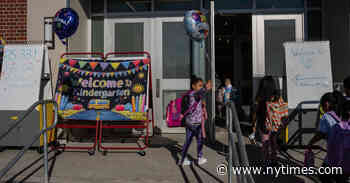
{"points": [[270, 145]]}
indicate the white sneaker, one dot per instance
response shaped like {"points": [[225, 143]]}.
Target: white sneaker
{"points": [[186, 162], [202, 161]]}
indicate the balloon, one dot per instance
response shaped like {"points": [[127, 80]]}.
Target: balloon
{"points": [[66, 23], [196, 25]]}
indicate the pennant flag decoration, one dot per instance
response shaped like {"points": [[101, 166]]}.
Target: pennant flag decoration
{"points": [[63, 60], [141, 68], [103, 74], [133, 71], [129, 71], [72, 62], [107, 74], [82, 64], [125, 65], [112, 74], [137, 69], [146, 61], [145, 67], [115, 65], [90, 73], [104, 65], [93, 65], [136, 63], [95, 74]]}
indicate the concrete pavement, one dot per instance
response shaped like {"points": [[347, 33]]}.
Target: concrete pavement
{"points": [[158, 166]]}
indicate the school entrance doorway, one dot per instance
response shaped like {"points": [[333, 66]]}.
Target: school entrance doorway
{"points": [[233, 53], [248, 47]]}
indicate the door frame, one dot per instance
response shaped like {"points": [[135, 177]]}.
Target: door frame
{"points": [[258, 36], [164, 84]]}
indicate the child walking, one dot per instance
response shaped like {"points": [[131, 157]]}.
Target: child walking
{"points": [[194, 120]]}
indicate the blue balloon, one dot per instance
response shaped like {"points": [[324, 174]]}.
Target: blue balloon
{"points": [[196, 25], [66, 23]]}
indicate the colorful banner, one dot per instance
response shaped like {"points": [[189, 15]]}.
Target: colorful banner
{"points": [[88, 90]]}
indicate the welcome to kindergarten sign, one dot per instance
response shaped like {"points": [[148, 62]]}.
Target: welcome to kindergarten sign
{"points": [[110, 90]]}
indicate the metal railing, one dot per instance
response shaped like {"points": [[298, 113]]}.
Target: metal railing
{"points": [[43, 132], [237, 153]]}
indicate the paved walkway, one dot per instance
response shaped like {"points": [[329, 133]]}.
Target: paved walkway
{"points": [[158, 166]]}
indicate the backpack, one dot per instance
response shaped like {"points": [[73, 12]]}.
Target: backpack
{"points": [[338, 148], [276, 110], [174, 118]]}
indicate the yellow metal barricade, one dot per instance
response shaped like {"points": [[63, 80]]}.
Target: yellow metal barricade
{"points": [[51, 135]]}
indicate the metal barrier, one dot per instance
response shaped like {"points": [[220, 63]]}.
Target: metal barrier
{"points": [[297, 136], [237, 154], [44, 131]]}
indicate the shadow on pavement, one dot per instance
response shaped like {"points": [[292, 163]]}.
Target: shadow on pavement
{"points": [[52, 161]]}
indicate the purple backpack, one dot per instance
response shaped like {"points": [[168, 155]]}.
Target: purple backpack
{"points": [[173, 112], [338, 149]]}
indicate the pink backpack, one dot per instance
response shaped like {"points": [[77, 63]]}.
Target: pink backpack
{"points": [[173, 112]]}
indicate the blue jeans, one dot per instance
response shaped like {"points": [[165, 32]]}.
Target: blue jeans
{"points": [[193, 131]]}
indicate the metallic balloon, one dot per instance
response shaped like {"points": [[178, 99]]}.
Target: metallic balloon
{"points": [[196, 25], [66, 23]]}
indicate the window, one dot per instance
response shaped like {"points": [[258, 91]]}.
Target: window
{"points": [[276, 33], [97, 34], [176, 51], [129, 37]]}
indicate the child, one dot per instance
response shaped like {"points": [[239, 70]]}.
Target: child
{"points": [[332, 106], [267, 93], [194, 121], [227, 90]]}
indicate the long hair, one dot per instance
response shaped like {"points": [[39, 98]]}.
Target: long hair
{"points": [[267, 89]]}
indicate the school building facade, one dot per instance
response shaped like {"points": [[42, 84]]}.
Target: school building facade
{"points": [[248, 36]]}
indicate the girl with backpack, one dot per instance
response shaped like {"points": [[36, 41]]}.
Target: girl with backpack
{"points": [[265, 120], [332, 104], [194, 108]]}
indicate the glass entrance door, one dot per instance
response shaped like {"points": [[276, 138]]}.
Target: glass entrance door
{"points": [[172, 63], [165, 39]]}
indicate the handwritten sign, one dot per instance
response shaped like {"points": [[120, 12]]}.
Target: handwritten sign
{"points": [[309, 75], [20, 76], [90, 89]]}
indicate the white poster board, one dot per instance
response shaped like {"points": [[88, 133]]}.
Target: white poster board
{"points": [[309, 71], [21, 76]]}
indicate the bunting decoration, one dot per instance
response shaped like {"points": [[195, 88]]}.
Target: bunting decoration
{"points": [[72, 62], [125, 65], [104, 65], [93, 65], [115, 65], [63, 60], [136, 63], [82, 64]]}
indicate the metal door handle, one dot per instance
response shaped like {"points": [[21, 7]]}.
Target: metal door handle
{"points": [[157, 88]]}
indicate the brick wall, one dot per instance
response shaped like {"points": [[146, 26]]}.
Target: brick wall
{"points": [[13, 20]]}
